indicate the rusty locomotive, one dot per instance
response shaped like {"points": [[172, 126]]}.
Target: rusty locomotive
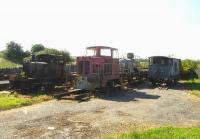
{"points": [[164, 70], [131, 68], [100, 68], [42, 71]]}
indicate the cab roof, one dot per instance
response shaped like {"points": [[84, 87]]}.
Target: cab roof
{"points": [[101, 47], [163, 57], [159, 57]]}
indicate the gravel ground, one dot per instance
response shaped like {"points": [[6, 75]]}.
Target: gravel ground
{"points": [[138, 107]]}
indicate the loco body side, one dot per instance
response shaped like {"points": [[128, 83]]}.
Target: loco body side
{"points": [[97, 70]]}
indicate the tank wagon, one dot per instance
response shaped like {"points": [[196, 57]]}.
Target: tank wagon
{"points": [[129, 68], [164, 69], [43, 71], [98, 69]]}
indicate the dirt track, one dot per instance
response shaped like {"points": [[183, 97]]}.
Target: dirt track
{"points": [[136, 108]]}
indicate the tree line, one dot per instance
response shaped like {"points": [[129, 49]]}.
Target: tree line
{"points": [[15, 53], [191, 68]]}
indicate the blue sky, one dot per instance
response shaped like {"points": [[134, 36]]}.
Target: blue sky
{"points": [[196, 11], [156, 27], [189, 9]]}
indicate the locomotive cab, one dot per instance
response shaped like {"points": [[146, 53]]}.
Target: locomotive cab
{"points": [[42, 71], [98, 69], [45, 66], [164, 69]]}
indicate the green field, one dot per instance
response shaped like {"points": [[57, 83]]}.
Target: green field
{"points": [[16, 100], [7, 64], [4, 63], [162, 133], [1, 54], [194, 86]]}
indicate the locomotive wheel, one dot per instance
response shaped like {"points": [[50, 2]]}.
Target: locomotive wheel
{"points": [[34, 88], [49, 88], [171, 83], [153, 84], [12, 85]]}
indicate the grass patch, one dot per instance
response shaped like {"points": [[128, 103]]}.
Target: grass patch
{"points": [[162, 133], [1, 54], [196, 93], [4, 63], [194, 85], [15, 100]]}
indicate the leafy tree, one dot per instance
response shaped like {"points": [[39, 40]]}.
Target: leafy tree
{"points": [[189, 67], [37, 48], [55, 52], [66, 55], [14, 52], [51, 51], [197, 69], [27, 59], [26, 54]]}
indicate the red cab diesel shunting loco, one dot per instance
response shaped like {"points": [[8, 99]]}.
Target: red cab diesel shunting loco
{"points": [[98, 69]]}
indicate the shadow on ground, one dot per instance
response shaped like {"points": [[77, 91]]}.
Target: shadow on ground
{"points": [[174, 86], [127, 96]]}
